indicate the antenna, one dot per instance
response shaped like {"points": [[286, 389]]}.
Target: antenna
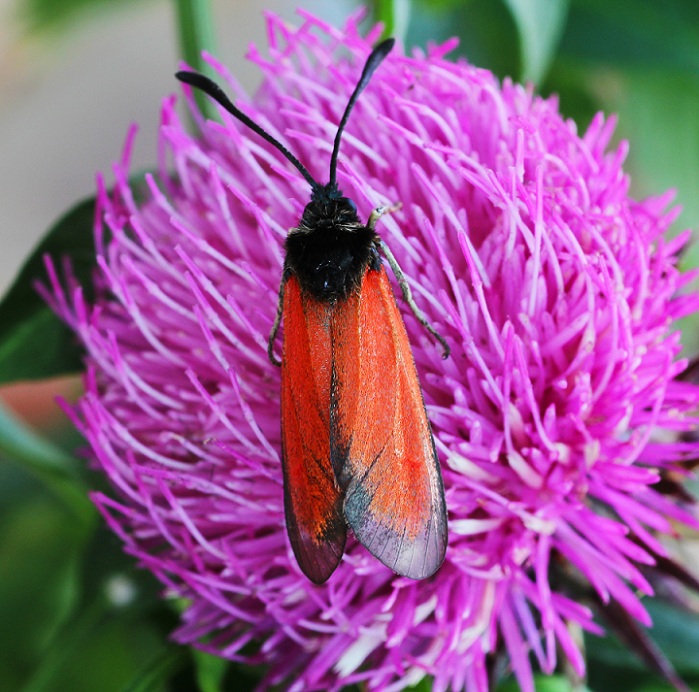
{"points": [[373, 61], [212, 89], [215, 92]]}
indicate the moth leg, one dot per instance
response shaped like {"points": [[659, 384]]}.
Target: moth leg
{"points": [[277, 321], [379, 212], [405, 289]]}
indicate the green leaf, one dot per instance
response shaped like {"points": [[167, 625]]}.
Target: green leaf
{"points": [[425, 685], [634, 32], [114, 637], [486, 30], [676, 631], [540, 24], [210, 671], [613, 666], [40, 547], [34, 343], [658, 115], [106, 651], [38, 347], [19, 442], [156, 672], [542, 683], [55, 468]]}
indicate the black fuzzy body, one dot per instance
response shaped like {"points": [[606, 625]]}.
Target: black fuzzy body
{"points": [[330, 250]]}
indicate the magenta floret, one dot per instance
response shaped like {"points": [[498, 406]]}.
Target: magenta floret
{"points": [[557, 413]]}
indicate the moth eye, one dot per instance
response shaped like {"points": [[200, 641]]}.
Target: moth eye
{"points": [[351, 205]]}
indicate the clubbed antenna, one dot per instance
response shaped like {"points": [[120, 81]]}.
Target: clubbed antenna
{"points": [[212, 89], [373, 61]]}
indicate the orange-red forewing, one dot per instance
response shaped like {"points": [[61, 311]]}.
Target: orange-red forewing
{"points": [[312, 498], [357, 446], [381, 444]]}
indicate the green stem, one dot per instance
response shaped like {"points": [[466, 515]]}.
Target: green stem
{"points": [[195, 27], [394, 15]]}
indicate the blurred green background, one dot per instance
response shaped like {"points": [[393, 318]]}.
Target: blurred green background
{"points": [[75, 614]]}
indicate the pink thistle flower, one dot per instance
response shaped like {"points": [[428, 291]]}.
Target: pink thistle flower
{"points": [[557, 415]]}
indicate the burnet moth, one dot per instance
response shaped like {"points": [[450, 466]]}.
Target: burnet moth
{"points": [[357, 449]]}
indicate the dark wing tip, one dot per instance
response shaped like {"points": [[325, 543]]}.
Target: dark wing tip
{"points": [[422, 560], [319, 562], [416, 558]]}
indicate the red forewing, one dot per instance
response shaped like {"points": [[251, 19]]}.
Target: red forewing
{"points": [[312, 499], [381, 445], [357, 447]]}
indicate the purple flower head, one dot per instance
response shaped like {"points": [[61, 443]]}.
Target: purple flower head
{"points": [[555, 417]]}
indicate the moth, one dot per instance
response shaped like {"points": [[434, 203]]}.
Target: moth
{"points": [[357, 448]]}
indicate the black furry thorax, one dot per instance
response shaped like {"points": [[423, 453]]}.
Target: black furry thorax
{"points": [[331, 249]]}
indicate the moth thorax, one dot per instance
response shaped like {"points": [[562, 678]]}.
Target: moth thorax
{"points": [[329, 259]]}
